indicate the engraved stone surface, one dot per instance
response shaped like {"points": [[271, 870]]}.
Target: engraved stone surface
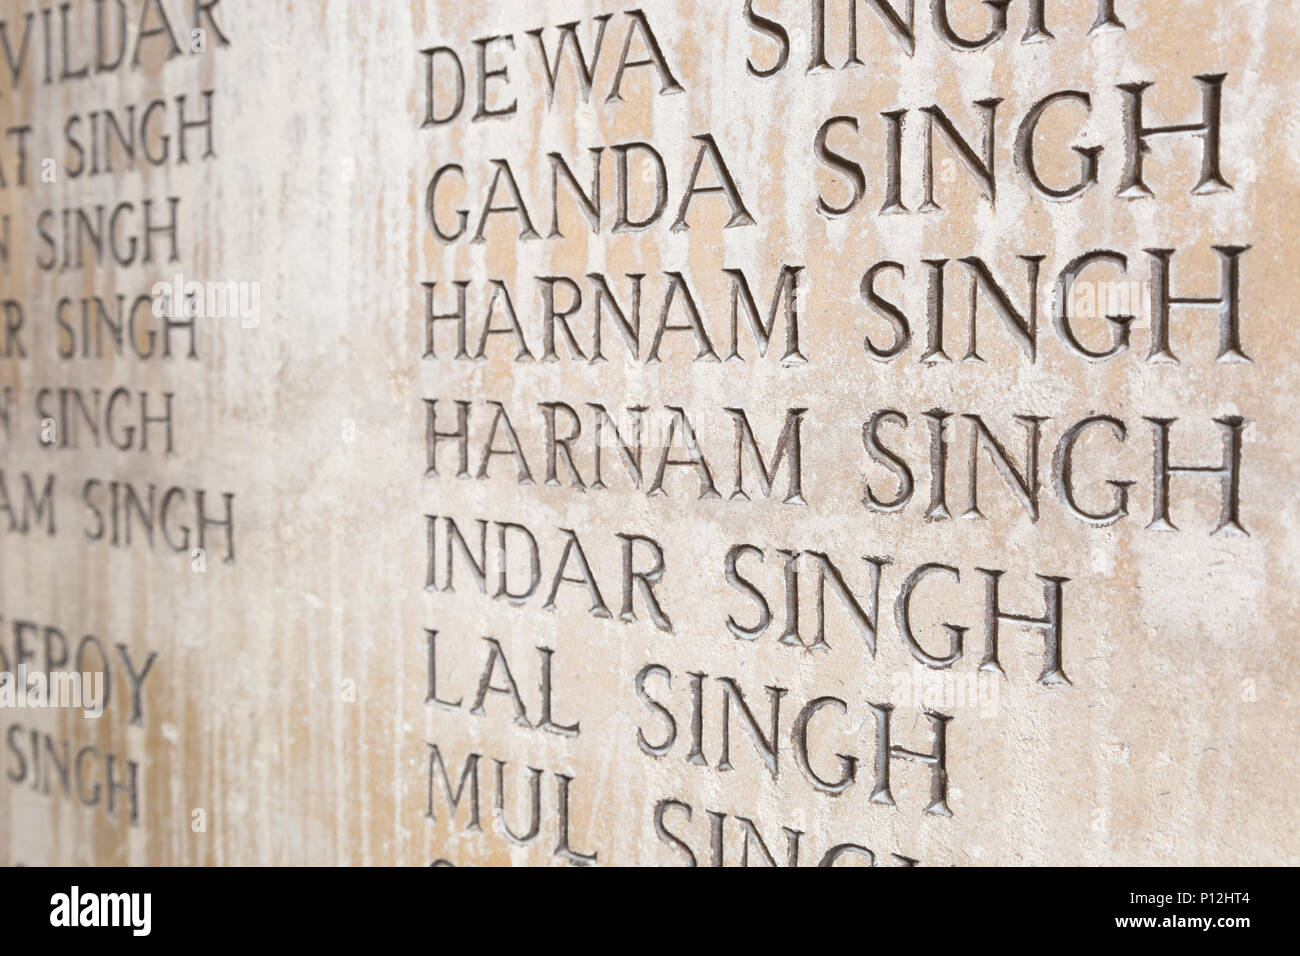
{"points": [[718, 432]]}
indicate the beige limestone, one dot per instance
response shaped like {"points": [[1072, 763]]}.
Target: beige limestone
{"points": [[284, 719]]}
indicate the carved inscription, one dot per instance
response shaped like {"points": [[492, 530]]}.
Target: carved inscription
{"points": [[791, 426]]}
